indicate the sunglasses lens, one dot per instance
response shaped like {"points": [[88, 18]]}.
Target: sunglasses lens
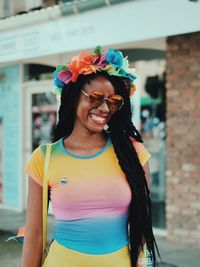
{"points": [[96, 99], [115, 102]]}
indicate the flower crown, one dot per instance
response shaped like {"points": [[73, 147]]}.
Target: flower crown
{"points": [[85, 63]]}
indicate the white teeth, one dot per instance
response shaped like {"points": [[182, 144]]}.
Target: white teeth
{"points": [[98, 118]]}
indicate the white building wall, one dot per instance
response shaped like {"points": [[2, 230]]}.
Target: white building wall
{"points": [[118, 25]]}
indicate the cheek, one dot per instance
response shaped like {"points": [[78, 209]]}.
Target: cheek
{"points": [[82, 109]]}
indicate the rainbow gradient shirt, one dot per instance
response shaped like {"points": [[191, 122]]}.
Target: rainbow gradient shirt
{"points": [[90, 198]]}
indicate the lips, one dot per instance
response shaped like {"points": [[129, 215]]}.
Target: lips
{"points": [[100, 119]]}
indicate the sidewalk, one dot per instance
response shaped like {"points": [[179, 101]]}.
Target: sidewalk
{"points": [[172, 254]]}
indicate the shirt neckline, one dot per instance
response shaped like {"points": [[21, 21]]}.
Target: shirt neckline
{"points": [[66, 151]]}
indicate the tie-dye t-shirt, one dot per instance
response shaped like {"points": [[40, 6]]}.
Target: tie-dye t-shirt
{"points": [[90, 197]]}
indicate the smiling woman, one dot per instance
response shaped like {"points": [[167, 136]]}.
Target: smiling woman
{"points": [[98, 174]]}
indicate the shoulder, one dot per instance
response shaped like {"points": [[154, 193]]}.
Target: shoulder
{"points": [[38, 155], [137, 145], [35, 166], [42, 148], [141, 151]]}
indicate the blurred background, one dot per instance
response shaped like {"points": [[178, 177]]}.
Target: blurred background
{"points": [[162, 41]]}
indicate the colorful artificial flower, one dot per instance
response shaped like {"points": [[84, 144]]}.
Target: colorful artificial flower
{"points": [[115, 58], [132, 90], [58, 83], [85, 63], [65, 76], [80, 63]]}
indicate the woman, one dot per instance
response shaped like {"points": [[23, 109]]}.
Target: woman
{"points": [[98, 174]]}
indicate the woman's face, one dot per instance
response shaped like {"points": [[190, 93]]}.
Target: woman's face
{"points": [[89, 118]]}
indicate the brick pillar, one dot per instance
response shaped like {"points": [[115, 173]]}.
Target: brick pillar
{"points": [[183, 138]]}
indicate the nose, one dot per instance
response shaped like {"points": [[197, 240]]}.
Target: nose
{"points": [[104, 107]]}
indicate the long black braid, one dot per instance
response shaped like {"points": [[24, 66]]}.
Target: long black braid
{"points": [[121, 130]]}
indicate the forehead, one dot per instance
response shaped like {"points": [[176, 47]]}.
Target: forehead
{"points": [[100, 84]]}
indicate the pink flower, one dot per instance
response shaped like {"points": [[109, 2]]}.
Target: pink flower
{"points": [[65, 76]]}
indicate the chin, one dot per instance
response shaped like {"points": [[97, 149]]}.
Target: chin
{"points": [[96, 127], [96, 130]]}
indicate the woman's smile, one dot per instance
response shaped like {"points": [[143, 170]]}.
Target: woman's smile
{"points": [[99, 119]]}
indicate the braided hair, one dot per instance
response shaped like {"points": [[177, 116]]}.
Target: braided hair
{"points": [[121, 130]]}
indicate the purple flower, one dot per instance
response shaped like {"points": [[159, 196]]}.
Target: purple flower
{"points": [[101, 61]]}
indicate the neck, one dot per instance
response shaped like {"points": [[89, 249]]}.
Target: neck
{"points": [[85, 139]]}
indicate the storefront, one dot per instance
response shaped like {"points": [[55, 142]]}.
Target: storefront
{"points": [[38, 107], [28, 56]]}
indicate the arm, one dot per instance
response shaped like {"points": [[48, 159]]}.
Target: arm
{"points": [[32, 248]]}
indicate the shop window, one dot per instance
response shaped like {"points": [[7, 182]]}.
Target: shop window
{"points": [[38, 72], [153, 118], [43, 118], [152, 91], [48, 3], [154, 129]]}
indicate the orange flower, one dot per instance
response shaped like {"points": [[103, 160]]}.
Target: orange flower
{"points": [[132, 90], [79, 63], [88, 69]]}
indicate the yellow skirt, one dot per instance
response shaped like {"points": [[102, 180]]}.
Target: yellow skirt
{"points": [[60, 256]]}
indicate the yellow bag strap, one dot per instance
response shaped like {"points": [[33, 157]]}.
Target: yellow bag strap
{"points": [[45, 195]]}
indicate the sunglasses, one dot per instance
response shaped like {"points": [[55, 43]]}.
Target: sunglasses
{"points": [[96, 99]]}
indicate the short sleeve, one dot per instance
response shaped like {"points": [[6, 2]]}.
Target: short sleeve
{"points": [[34, 167], [141, 151]]}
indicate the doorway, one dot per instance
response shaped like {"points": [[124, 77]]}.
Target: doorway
{"points": [[153, 129], [40, 118]]}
